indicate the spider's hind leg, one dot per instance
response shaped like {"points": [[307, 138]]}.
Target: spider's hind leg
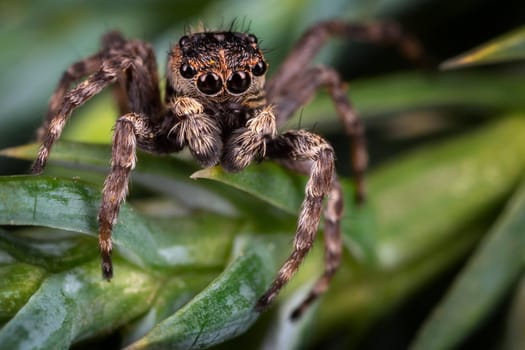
{"points": [[313, 39], [333, 247], [76, 71], [120, 56], [74, 98]]}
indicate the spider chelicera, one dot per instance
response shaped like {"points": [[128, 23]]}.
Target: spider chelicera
{"points": [[218, 105]]}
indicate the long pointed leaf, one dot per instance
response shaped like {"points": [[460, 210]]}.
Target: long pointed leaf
{"points": [[481, 284], [174, 293], [509, 47], [225, 308]]}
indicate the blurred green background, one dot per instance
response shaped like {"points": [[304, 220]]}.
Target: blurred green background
{"points": [[423, 124]]}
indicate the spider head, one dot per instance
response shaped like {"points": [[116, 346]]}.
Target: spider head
{"points": [[221, 66]]}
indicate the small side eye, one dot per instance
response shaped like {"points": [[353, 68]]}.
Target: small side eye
{"points": [[209, 83], [187, 71], [184, 40], [252, 38], [238, 82], [259, 69]]}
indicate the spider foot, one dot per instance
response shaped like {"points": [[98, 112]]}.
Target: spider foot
{"points": [[264, 302], [107, 266], [40, 162]]}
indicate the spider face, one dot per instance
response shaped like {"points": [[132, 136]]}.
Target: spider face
{"points": [[220, 66]]}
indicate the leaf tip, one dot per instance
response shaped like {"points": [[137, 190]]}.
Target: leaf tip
{"points": [[28, 151], [206, 173]]}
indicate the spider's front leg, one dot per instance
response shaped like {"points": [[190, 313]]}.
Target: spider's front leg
{"points": [[301, 145], [303, 88], [185, 124], [131, 130]]}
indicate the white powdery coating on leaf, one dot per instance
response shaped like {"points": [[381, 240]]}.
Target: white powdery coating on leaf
{"points": [[176, 254], [47, 319], [247, 292], [56, 248], [71, 284]]}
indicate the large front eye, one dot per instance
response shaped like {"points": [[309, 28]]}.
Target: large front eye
{"points": [[238, 82], [209, 83]]}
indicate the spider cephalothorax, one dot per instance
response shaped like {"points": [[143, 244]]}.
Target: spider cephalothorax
{"points": [[217, 66], [218, 105]]}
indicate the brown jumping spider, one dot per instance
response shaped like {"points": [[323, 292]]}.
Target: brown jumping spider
{"points": [[218, 105]]}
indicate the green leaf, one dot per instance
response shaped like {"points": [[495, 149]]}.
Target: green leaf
{"points": [[454, 188], [78, 304], [509, 47], [394, 93], [269, 182], [18, 282], [96, 155], [360, 297], [514, 337], [390, 231], [482, 284], [165, 174], [172, 295], [225, 308], [52, 249], [286, 334], [72, 205], [462, 180]]}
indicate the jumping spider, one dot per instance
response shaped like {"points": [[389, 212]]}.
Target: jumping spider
{"points": [[218, 105]]}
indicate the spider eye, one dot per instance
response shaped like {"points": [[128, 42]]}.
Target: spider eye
{"points": [[187, 71], [209, 83], [184, 40], [238, 82], [259, 69], [252, 38]]}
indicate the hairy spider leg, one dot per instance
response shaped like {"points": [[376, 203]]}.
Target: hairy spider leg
{"points": [[75, 72], [131, 129], [290, 88], [333, 243], [300, 91], [387, 33], [132, 58], [302, 145], [303, 88]]}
